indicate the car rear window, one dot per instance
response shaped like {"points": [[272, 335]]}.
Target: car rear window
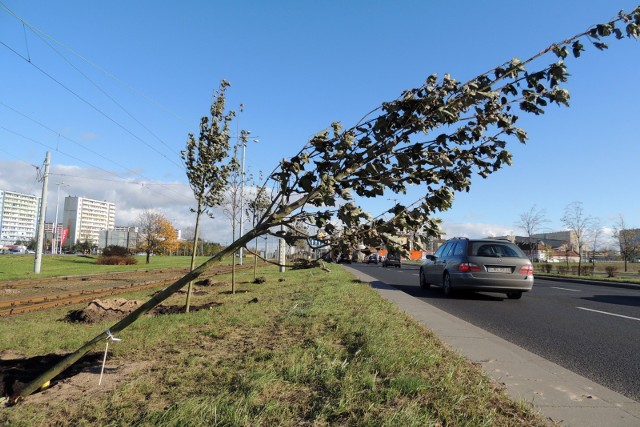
{"points": [[458, 250], [496, 249], [441, 250]]}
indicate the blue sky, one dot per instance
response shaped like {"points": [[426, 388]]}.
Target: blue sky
{"points": [[116, 114]]}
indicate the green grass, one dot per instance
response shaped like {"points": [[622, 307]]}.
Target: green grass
{"points": [[632, 275], [22, 266], [317, 348]]}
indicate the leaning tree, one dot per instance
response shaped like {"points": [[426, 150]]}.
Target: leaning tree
{"points": [[439, 135]]}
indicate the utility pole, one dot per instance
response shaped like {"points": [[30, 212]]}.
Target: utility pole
{"points": [[244, 151], [43, 210], [56, 231], [244, 137]]}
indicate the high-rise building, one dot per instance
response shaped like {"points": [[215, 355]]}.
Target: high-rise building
{"points": [[126, 237], [19, 215], [85, 218]]}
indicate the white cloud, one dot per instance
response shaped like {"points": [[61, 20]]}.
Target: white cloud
{"points": [[475, 230], [88, 136], [172, 199], [131, 197]]}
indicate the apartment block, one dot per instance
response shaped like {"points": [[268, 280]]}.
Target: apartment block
{"points": [[19, 215], [85, 218], [126, 237], [565, 236]]}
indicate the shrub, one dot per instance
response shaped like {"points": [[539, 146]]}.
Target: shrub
{"points": [[563, 269], [574, 270], [587, 270], [115, 250], [116, 260], [547, 268], [611, 270]]}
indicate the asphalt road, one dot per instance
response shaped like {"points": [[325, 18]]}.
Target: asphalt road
{"points": [[592, 330]]}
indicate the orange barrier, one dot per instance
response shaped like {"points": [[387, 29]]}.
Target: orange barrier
{"points": [[413, 255]]}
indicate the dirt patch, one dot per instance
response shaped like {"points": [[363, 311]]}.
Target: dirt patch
{"points": [[83, 376], [80, 378], [118, 308], [209, 282], [172, 309], [102, 310]]}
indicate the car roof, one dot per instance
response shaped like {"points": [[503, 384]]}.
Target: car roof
{"points": [[481, 240]]}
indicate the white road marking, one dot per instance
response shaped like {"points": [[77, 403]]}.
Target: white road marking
{"points": [[610, 314], [566, 289]]}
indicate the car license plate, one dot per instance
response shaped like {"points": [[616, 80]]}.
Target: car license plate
{"points": [[499, 269]]}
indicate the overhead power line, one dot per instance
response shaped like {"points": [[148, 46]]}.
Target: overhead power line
{"points": [[85, 162], [121, 82], [102, 113]]}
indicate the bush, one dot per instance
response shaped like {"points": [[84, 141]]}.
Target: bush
{"points": [[116, 260], [563, 269], [547, 268], [587, 270], [115, 250], [303, 263], [611, 270]]}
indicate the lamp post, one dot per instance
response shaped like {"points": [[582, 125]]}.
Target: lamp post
{"points": [[244, 137], [54, 244]]}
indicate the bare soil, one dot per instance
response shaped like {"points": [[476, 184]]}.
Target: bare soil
{"points": [[83, 376]]}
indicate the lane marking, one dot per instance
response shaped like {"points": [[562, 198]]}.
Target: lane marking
{"points": [[566, 289], [610, 314]]}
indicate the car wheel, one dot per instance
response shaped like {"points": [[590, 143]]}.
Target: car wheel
{"points": [[514, 295], [446, 285], [423, 283]]}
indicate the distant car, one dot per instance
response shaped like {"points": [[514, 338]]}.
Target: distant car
{"points": [[343, 259], [392, 260], [372, 259], [478, 265]]}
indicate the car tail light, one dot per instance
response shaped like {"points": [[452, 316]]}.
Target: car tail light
{"points": [[526, 269], [468, 267]]}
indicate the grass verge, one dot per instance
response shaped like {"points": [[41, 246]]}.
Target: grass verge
{"points": [[307, 347], [22, 266]]}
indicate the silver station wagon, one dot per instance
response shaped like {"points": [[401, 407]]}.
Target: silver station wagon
{"points": [[478, 265]]}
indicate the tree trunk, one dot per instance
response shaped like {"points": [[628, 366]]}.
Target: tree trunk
{"points": [[193, 254], [255, 261]]}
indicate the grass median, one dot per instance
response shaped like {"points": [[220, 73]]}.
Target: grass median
{"points": [[307, 347], [22, 266]]}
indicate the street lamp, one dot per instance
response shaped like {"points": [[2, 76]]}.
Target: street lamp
{"points": [[54, 244], [244, 137]]}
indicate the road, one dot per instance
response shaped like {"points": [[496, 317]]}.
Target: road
{"points": [[592, 330]]}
